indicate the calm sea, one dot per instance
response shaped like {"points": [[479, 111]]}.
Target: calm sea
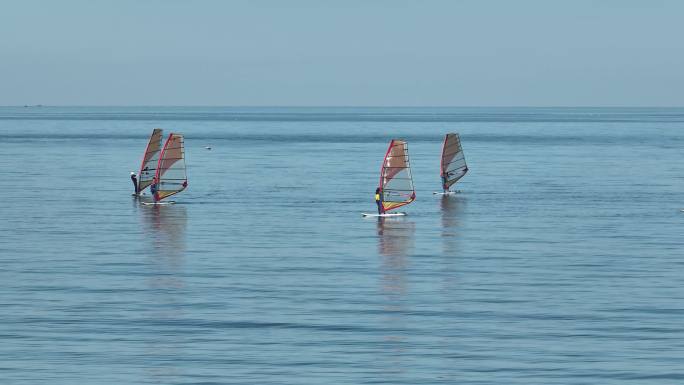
{"points": [[560, 262]]}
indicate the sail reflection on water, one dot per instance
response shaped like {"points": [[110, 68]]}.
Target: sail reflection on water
{"points": [[395, 236], [164, 227], [395, 243], [452, 211], [164, 230]]}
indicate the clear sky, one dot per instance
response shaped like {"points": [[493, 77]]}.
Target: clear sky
{"points": [[344, 52]]}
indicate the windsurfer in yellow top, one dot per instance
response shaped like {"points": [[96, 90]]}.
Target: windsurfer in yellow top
{"points": [[378, 200]]}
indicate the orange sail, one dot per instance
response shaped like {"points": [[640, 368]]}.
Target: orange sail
{"points": [[171, 177], [396, 183], [453, 165], [148, 168]]}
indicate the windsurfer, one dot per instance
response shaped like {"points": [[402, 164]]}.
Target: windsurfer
{"points": [[134, 178], [378, 200], [153, 190]]}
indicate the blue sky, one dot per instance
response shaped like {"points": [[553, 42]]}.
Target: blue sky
{"points": [[350, 53]]}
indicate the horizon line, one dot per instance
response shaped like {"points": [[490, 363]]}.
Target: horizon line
{"points": [[327, 106]]}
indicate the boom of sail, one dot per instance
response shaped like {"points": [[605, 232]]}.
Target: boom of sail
{"points": [[148, 168], [453, 165], [396, 182], [171, 177]]}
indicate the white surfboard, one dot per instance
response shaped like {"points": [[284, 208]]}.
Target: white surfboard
{"points": [[446, 193], [164, 203], [383, 215]]}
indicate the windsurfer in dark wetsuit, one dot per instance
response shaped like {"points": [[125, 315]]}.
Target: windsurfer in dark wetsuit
{"points": [[153, 189], [134, 178]]}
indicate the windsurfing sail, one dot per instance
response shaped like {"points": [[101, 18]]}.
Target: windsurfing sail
{"points": [[148, 169], [396, 183], [171, 177], [453, 165]]}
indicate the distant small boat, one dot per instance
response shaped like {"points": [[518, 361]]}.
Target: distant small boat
{"points": [[396, 182], [207, 147], [453, 165], [171, 176]]}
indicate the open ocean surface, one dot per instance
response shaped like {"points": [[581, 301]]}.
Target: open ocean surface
{"points": [[560, 262]]}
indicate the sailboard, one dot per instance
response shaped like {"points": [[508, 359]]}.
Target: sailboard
{"points": [[453, 165], [396, 182], [385, 215], [171, 177], [148, 168], [160, 203]]}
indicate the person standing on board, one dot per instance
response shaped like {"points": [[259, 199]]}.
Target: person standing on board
{"points": [[134, 178], [444, 183], [153, 190], [378, 200]]}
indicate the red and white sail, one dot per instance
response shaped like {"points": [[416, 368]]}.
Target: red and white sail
{"points": [[171, 177], [148, 168], [453, 164], [396, 183]]}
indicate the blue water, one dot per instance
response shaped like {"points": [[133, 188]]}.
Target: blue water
{"points": [[560, 262]]}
